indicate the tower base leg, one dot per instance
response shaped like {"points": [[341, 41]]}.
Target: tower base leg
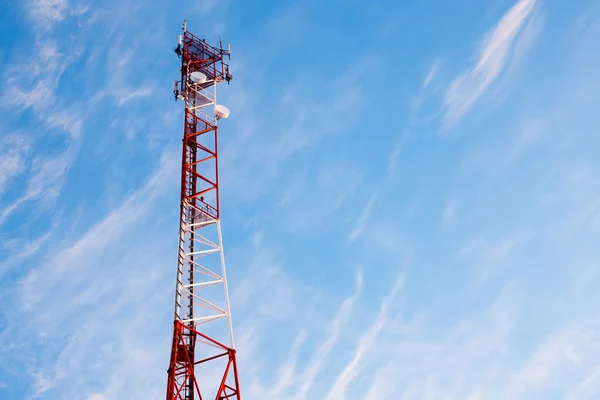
{"points": [[182, 381]]}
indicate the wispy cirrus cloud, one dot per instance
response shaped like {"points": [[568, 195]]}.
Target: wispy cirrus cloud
{"points": [[466, 89], [46, 13], [363, 217], [122, 67], [431, 73], [365, 344], [62, 286], [298, 377], [45, 182], [13, 150], [300, 123], [324, 350], [32, 85], [40, 281]]}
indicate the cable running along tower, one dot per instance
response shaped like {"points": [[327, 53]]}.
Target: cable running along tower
{"points": [[202, 366]]}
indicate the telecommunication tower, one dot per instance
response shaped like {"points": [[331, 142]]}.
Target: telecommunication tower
{"points": [[202, 366]]}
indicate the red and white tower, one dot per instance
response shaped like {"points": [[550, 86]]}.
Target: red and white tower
{"points": [[203, 358]]}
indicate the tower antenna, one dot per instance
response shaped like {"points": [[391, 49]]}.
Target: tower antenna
{"points": [[203, 343]]}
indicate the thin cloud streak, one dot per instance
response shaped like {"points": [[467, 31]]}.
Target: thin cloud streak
{"points": [[321, 354], [363, 217], [465, 90], [40, 282], [13, 150], [92, 264], [340, 386]]}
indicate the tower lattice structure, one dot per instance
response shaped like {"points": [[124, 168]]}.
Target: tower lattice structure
{"points": [[203, 357]]}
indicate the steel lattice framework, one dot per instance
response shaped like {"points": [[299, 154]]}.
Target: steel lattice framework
{"points": [[201, 365]]}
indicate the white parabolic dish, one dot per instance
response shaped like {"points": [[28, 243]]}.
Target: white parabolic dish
{"points": [[197, 77], [221, 111]]}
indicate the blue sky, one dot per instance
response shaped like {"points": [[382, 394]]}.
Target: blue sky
{"points": [[410, 197]]}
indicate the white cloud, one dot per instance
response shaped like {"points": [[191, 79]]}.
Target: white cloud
{"points": [[133, 94], [530, 135], [45, 181], [320, 355], [41, 383], [299, 372], [363, 217], [431, 73], [486, 255], [462, 359], [365, 344], [37, 98], [46, 13], [561, 354], [32, 84], [465, 90], [383, 385], [393, 160], [476, 395], [26, 249], [122, 66], [207, 6], [424, 104], [40, 281], [299, 121], [13, 151], [84, 299]]}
